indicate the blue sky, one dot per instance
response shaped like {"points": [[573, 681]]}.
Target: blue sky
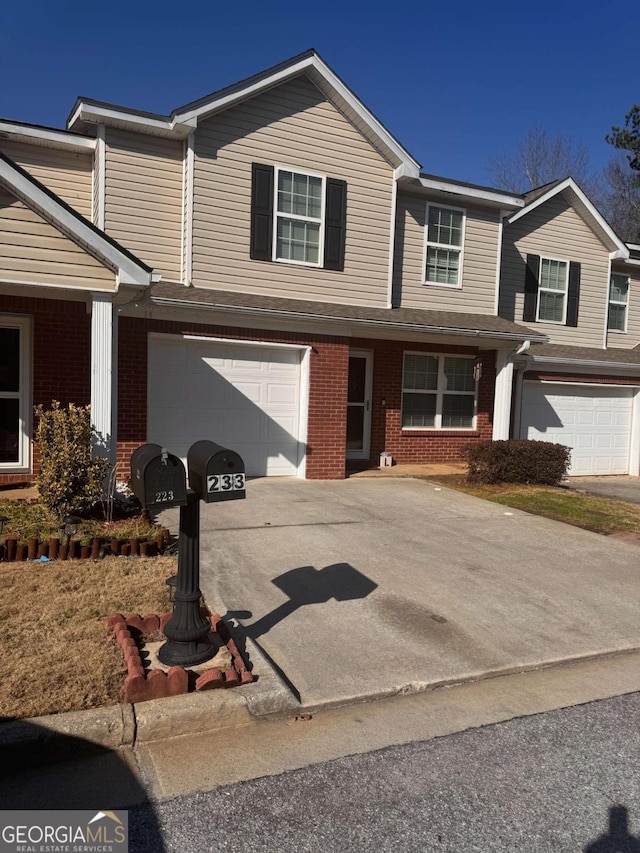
{"points": [[454, 82]]}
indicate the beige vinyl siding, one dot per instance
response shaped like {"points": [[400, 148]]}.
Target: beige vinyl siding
{"points": [[143, 198], [32, 251], [631, 338], [555, 230], [292, 126], [479, 260], [66, 173]]}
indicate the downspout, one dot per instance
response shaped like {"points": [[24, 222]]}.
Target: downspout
{"points": [[519, 369]]}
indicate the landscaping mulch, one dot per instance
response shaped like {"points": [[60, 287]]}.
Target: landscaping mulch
{"points": [[56, 652]]}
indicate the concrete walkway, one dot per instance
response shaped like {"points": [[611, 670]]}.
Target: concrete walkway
{"points": [[368, 587]]}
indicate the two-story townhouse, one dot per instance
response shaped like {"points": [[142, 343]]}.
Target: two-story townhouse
{"points": [[266, 267], [566, 274]]}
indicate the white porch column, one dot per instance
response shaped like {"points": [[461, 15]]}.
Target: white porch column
{"points": [[102, 391], [502, 395]]}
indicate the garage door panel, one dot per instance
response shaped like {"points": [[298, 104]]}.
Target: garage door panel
{"points": [[244, 397], [594, 421]]}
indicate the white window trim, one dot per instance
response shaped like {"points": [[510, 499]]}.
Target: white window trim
{"points": [[428, 243], [565, 292], [23, 465], [277, 213], [439, 393], [614, 302]]}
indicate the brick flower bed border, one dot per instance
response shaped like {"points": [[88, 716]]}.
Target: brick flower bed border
{"points": [[139, 686], [53, 549]]}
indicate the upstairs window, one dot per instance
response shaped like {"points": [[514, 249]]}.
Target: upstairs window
{"points": [[618, 301], [552, 292], [438, 392], [298, 217], [445, 239]]}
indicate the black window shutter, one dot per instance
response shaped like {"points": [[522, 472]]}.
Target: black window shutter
{"points": [[531, 278], [573, 297], [261, 212], [335, 226]]}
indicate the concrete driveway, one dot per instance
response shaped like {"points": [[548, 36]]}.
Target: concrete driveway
{"points": [[620, 488], [362, 588]]}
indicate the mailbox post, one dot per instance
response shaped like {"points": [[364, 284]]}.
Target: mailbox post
{"points": [[187, 632], [158, 481]]}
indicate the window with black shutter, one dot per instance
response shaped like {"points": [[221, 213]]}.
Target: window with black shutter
{"points": [[298, 217]]}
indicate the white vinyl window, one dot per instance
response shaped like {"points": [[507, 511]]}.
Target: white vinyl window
{"points": [[299, 217], [438, 392], [618, 301], [15, 391], [552, 290], [444, 242]]}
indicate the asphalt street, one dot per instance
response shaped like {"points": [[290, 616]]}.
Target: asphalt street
{"points": [[562, 781]]}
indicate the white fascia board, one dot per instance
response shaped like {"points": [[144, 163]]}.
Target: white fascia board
{"points": [[95, 114], [570, 184], [411, 166], [584, 364], [378, 324], [505, 199], [128, 272], [47, 136]]}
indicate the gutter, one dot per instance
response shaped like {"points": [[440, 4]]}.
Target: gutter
{"points": [[299, 315], [624, 366]]}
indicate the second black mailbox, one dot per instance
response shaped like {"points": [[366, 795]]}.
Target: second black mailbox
{"points": [[158, 478], [215, 473]]}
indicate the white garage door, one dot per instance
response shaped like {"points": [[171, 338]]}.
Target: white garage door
{"points": [[595, 422], [245, 397]]}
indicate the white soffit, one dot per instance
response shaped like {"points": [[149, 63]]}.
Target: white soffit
{"points": [[46, 137]]}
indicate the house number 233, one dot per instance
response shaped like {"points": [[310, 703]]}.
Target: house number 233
{"points": [[225, 482]]}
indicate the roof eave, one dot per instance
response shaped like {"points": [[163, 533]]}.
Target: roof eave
{"points": [[300, 315], [504, 200]]}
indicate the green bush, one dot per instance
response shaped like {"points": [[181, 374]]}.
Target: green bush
{"points": [[70, 481], [517, 461]]}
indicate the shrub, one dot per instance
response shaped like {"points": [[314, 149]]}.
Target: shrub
{"points": [[517, 461], [70, 481]]}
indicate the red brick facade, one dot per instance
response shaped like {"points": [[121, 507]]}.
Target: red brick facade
{"points": [[61, 371], [419, 446], [61, 353]]}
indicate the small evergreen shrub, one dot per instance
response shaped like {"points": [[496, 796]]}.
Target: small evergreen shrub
{"points": [[70, 481], [517, 461]]}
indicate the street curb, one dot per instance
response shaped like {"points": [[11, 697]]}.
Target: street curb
{"points": [[70, 735], [75, 734]]}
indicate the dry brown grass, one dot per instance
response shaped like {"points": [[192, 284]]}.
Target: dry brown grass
{"points": [[56, 653]]}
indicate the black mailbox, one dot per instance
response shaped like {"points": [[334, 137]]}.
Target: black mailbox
{"points": [[158, 478], [215, 473]]}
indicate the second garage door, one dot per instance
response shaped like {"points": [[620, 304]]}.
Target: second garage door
{"points": [[594, 421], [246, 397]]}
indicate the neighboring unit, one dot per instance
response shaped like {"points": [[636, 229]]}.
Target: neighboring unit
{"points": [[268, 268]]}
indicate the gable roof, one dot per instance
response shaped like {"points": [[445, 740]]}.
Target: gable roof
{"points": [[182, 121], [128, 268], [581, 202]]}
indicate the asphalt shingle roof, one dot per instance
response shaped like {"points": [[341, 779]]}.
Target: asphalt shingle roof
{"points": [[484, 324]]}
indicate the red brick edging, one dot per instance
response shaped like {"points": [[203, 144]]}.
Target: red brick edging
{"points": [[140, 686]]}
